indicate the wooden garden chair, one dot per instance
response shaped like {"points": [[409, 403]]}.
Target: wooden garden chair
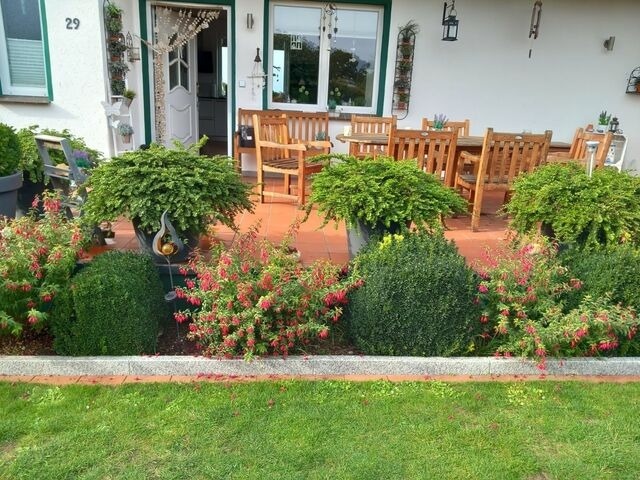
{"points": [[369, 124], [504, 156], [578, 151], [434, 150], [276, 154]]}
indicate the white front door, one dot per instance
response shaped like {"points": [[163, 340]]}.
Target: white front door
{"points": [[182, 97]]}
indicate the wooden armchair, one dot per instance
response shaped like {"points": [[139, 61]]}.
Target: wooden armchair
{"points": [[503, 157], [434, 150], [368, 124], [578, 151], [461, 128], [276, 154], [244, 138]]}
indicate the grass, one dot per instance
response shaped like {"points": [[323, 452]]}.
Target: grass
{"points": [[321, 430]]}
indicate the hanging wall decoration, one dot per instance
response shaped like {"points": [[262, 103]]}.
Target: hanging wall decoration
{"points": [[534, 28]]}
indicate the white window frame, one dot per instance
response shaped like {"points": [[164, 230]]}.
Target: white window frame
{"points": [[323, 67], [5, 78]]}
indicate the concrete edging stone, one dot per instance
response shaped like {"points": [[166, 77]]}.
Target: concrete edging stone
{"points": [[320, 365]]}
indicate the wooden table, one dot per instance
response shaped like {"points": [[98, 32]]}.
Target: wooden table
{"points": [[471, 144]]}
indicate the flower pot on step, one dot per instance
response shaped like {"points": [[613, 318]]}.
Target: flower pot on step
{"points": [[9, 186]]}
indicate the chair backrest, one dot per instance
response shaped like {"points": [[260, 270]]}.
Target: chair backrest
{"points": [[578, 150], [369, 124], [308, 126], [434, 150], [270, 129], [506, 155], [461, 128]]}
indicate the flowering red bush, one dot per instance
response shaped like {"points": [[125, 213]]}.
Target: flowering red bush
{"points": [[257, 298], [521, 299], [37, 258]]}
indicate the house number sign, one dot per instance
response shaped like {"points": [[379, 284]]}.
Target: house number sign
{"points": [[72, 23]]}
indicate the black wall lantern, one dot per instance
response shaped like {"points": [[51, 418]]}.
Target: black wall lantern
{"points": [[449, 22]]}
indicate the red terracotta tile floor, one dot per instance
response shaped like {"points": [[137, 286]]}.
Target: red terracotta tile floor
{"points": [[330, 242]]}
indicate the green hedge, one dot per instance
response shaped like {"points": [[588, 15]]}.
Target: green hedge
{"points": [[614, 272], [112, 308], [417, 298]]}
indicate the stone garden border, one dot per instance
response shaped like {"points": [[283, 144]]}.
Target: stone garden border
{"points": [[336, 365]]}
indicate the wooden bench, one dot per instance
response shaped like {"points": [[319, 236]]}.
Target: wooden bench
{"points": [[303, 127]]}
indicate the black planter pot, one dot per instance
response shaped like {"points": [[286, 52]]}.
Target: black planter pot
{"points": [[145, 240], [360, 235], [9, 186], [27, 193]]}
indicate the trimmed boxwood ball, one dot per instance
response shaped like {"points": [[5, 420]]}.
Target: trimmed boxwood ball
{"points": [[614, 272], [416, 299], [112, 307]]}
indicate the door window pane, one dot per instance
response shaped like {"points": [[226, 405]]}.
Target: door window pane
{"points": [[352, 63], [296, 54]]}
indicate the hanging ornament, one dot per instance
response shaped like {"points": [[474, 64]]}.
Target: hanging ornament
{"points": [[534, 28]]}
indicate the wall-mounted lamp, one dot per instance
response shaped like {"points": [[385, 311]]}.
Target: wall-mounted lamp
{"points": [[250, 21], [608, 43], [450, 22], [133, 53]]}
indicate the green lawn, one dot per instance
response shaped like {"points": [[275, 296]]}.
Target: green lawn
{"points": [[321, 430]]}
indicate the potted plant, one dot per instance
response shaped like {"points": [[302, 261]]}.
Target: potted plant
{"points": [[10, 173], [335, 96], [113, 18], [125, 130], [408, 31], [128, 96], [118, 69], [375, 196], [439, 121], [116, 49], [140, 185], [603, 121], [588, 213], [406, 50], [118, 87]]}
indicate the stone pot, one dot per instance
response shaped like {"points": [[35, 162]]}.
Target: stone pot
{"points": [[9, 186], [145, 240], [361, 234]]}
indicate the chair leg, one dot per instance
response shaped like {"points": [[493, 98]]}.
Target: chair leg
{"points": [[261, 184], [301, 179], [477, 208], [287, 184]]}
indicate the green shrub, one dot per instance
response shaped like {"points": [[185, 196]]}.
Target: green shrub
{"points": [[9, 151], [615, 272], [592, 212], [417, 297], [112, 308]]}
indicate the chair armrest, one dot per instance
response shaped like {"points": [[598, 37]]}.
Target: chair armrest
{"points": [[289, 146], [319, 144], [469, 157]]}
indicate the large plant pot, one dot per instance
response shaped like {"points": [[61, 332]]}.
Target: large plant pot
{"points": [[145, 240], [9, 186], [27, 193], [361, 234]]}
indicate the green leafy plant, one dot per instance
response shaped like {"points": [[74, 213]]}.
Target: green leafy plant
{"points": [[256, 298], [614, 272], [523, 312], [130, 94], [125, 129], [112, 307], [37, 257], [591, 213], [10, 151], [440, 121], [31, 163], [117, 47], [379, 192], [118, 68], [142, 184], [118, 86], [416, 298], [113, 19], [604, 118], [409, 30]]}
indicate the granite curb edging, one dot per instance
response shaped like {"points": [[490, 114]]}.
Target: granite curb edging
{"points": [[312, 365]]}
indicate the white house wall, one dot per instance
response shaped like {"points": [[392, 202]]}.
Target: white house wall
{"points": [[78, 76], [486, 75]]}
